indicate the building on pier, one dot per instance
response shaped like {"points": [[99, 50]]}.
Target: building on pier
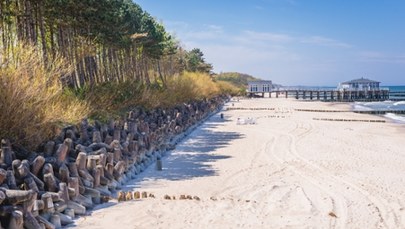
{"points": [[260, 87], [355, 90], [360, 84]]}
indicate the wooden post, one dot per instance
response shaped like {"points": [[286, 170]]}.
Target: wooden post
{"points": [[6, 153], [30, 184], [91, 163], [97, 137], [109, 171], [81, 161], [23, 171], [49, 147], [64, 173], [110, 158], [62, 151], [50, 182], [73, 169], [47, 168], [74, 184], [103, 160], [37, 164], [119, 168], [117, 154], [96, 175], [63, 192], [159, 165], [48, 203]]}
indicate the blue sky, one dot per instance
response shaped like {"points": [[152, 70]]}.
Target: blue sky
{"points": [[293, 42]]}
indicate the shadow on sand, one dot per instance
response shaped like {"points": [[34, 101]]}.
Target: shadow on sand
{"points": [[194, 155], [191, 158]]}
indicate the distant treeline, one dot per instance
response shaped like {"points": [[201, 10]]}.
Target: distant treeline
{"points": [[238, 79], [103, 40]]}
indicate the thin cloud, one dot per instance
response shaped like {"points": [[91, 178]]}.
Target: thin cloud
{"points": [[324, 41], [380, 57], [270, 37], [208, 32], [215, 27], [272, 55], [173, 26]]}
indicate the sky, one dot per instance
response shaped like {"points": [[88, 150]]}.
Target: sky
{"points": [[292, 42]]}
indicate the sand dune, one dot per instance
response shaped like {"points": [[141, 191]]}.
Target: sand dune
{"points": [[286, 171]]}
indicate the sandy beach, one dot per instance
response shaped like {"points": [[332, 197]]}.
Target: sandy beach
{"points": [[289, 170]]}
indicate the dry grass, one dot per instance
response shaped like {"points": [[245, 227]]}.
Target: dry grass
{"points": [[32, 104], [229, 88], [184, 88], [111, 99]]}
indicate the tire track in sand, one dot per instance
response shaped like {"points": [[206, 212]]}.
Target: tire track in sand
{"points": [[387, 215], [338, 201]]}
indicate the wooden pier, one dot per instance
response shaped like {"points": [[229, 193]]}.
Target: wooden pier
{"points": [[381, 112], [397, 95], [343, 95]]}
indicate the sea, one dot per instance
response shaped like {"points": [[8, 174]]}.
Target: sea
{"points": [[386, 105]]}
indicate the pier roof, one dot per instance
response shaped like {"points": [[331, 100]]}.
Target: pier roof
{"points": [[360, 81]]}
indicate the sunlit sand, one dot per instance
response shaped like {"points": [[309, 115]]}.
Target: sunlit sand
{"points": [[285, 169]]}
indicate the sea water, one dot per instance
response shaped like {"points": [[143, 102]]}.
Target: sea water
{"points": [[385, 105]]}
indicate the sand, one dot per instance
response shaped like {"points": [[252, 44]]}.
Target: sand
{"points": [[286, 171]]}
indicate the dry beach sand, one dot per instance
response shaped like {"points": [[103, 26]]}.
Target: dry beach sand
{"points": [[286, 171]]}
